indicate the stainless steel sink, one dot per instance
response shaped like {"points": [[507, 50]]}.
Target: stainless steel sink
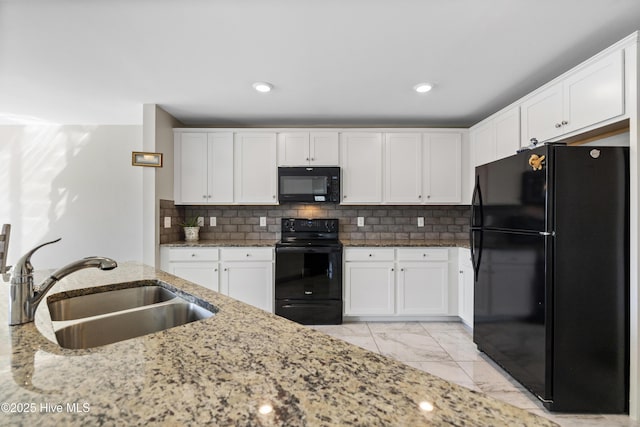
{"points": [[109, 316], [129, 324], [107, 302]]}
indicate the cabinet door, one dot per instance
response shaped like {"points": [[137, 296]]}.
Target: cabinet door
{"points": [[483, 143], [202, 273], [465, 287], [324, 149], [220, 159], [442, 168], [361, 167], [256, 171], [595, 93], [293, 149], [541, 116], [403, 172], [249, 282], [507, 126], [192, 168], [369, 288], [423, 288]]}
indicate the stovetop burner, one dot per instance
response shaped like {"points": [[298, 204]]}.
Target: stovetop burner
{"points": [[300, 232]]}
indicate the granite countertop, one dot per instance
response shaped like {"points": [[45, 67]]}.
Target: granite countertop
{"points": [[346, 243], [221, 371], [203, 243], [407, 243]]}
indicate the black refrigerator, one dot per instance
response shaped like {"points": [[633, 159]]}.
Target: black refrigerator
{"points": [[550, 251]]}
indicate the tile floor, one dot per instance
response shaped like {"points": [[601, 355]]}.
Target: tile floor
{"points": [[446, 349]]}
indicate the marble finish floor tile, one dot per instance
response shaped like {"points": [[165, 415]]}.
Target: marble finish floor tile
{"points": [[410, 347], [446, 350]]}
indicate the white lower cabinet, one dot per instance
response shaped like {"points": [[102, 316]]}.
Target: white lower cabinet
{"points": [[465, 287], [397, 282], [369, 288], [243, 273], [247, 275], [197, 265], [423, 288]]}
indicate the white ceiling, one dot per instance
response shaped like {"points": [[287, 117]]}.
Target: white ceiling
{"points": [[332, 62]]}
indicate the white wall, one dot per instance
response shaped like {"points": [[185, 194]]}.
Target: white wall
{"points": [[157, 182], [74, 182]]}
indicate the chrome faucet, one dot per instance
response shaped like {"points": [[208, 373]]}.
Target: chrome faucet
{"points": [[25, 297]]}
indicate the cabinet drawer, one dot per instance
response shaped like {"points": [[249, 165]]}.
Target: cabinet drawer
{"points": [[368, 254], [193, 254], [423, 254], [246, 254]]}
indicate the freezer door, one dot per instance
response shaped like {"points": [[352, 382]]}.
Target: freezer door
{"points": [[510, 306], [514, 195]]}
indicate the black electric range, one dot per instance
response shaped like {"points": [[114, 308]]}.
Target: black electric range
{"points": [[308, 285]]}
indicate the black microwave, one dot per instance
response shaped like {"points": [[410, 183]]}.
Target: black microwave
{"points": [[309, 185]]}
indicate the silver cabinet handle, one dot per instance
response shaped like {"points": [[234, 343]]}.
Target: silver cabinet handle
{"points": [[313, 158], [558, 125], [273, 197], [461, 272], [424, 255], [193, 255], [248, 254], [208, 196], [370, 254], [564, 122], [204, 196], [344, 197], [215, 269], [392, 269], [428, 197], [225, 269], [420, 196], [307, 159]]}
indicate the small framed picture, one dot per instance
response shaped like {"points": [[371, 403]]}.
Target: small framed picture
{"points": [[146, 159]]}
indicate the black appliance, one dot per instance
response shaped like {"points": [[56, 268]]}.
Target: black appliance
{"points": [[309, 184], [308, 286], [550, 249]]}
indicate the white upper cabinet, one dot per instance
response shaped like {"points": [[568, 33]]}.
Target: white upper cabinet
{"points": [[507, 128], [255, 169], [361, 167], [585, 97], [483, 143], [191, 168], [204, 168], [415, 167], [403, 167], [442, 168], [308, 149], [220, 160], [541, 115], [595, 93]]}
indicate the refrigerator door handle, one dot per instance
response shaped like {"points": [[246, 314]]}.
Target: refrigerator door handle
{"points": [[475, 255], [476, 205], [547, 233]]}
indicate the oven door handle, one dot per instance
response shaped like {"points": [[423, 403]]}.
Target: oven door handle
{"points": [[306, 305], [307, 250]]}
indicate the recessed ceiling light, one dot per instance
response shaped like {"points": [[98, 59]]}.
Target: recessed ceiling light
{"points": [[423, 87], [263, 87]]}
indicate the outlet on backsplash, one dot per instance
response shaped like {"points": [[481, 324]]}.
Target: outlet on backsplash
{"points": [[360, 221], [212, 221]]}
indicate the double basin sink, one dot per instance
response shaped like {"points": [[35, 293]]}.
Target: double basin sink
{"points": [[107, 316]]}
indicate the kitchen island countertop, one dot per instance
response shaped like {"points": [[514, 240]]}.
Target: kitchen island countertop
{"points": [[227, 370]]}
